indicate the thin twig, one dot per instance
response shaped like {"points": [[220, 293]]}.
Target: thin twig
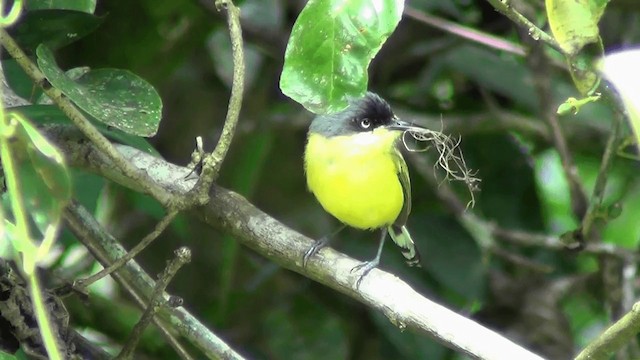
{"points": [[465, 32], [67, 107], [182, 256], [537, 34], [594, 210], [538, 63], [84, 283], [139, 284], [212, 162]]}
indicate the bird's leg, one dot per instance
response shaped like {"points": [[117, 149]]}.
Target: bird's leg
{"points": [[319, 244], [369, 265]]}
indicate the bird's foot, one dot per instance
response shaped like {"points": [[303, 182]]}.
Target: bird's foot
{"points": [[365, 267], [319, 244]]}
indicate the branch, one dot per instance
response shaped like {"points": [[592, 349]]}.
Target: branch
{"points": [[539, 65], [594, 210], [182, 256], [146, 241], [537, 34], [212, 162], [380, 290], [465, 32], [140, 286], [612, 339]]}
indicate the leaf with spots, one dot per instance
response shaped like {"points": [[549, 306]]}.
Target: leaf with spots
{"points": [[114, 97]]}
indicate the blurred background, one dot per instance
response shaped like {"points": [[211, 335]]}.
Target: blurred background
{"points": [[549, 299]]}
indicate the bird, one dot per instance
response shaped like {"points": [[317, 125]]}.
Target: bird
{"points": [[355, 169]]}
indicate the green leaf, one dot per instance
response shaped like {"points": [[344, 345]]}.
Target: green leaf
{"points": [[54, 28], [50, 114], [582, 69], [114, 97], [574, 23], [19, 81], [573, 105], [42, 173], [330, 48], [87, 6], [7, 356]]}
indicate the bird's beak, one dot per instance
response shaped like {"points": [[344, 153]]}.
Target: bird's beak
{"points": [[397, 124]]}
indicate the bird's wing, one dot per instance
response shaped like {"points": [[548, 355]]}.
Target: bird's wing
{"points": [[403, 176]]}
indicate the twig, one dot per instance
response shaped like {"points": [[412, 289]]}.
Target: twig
{"points": [[212, 162], [593, 212], [182, 256], [612, 339], [67, 107], [138, 283], [551, 242], [537, 34], [541, 74], [84, 283], [465, 32]]}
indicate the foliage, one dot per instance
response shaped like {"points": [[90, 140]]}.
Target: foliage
{"points": [[532, 259]]}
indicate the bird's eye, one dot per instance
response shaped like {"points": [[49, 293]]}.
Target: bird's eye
{"points": [[365, 123]]}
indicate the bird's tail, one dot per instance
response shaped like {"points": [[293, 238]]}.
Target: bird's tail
{"points": [[402, 238]]}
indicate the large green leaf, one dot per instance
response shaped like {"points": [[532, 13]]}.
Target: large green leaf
{"points": [[50, 114], [54, 28], [114, 97], [330, 48], [575, 23]]}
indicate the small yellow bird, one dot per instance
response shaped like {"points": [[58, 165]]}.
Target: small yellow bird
{"points": [[357, 173]]}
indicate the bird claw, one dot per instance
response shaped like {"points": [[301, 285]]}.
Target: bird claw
{"points": [[366, 267], [319, 244]]}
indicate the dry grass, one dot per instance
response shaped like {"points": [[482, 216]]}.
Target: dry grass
{"points": [[450, 158]]}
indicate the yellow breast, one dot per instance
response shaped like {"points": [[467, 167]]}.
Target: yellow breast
{"points": [[355, 177]]}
